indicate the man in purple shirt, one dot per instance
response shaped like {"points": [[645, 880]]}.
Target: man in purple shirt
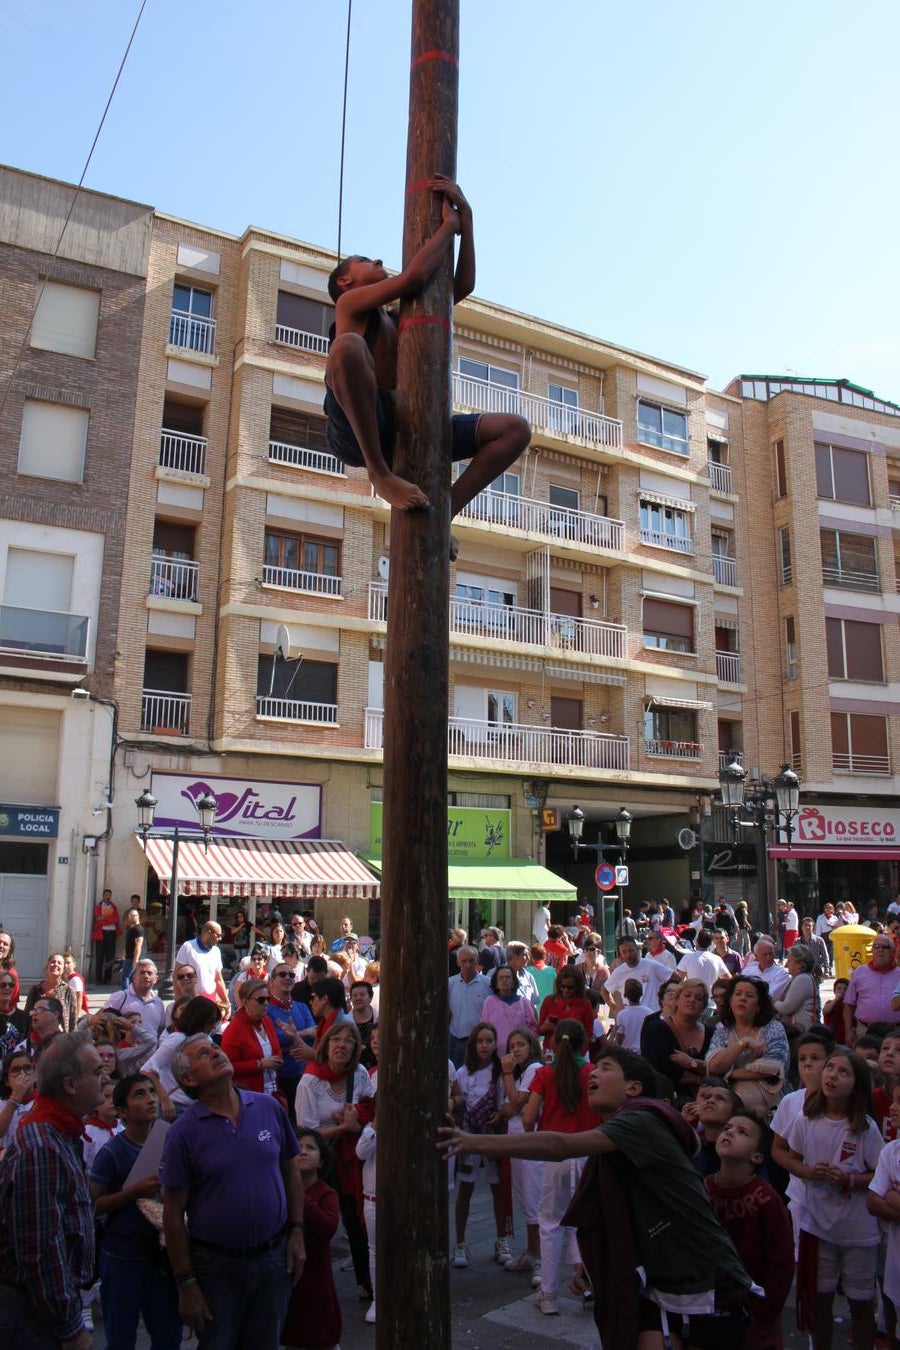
{"points": [[868, 998], [230, 1173]]}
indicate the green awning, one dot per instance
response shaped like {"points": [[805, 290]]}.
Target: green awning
{"points": [[505, 879]]}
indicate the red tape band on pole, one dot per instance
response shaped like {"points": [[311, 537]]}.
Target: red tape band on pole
{"points": [[435, 55], [424, 320], [420, 185]]}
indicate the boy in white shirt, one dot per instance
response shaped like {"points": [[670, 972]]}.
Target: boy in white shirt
{"points": [[631, 1018]]}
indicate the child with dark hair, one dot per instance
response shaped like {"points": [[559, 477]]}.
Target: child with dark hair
{"points": [[753, 1216], [631, 1017], [885, 1092], [477, 1095], [361, 371], [713, 1107], [313, 1318], [833, 1010]]}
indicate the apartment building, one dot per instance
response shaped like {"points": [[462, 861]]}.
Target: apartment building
{"points": [[823, 662], [596, 609], [72, 281]]}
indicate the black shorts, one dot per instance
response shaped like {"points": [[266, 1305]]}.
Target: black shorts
{"points": [[709, 1332], [343, 443]]}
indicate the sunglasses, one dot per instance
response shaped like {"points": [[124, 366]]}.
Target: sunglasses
{"points": [[26, 1068], [284, 974], [7, 984], [186, 975], [260, 998]]}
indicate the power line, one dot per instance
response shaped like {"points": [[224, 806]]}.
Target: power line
{"points": [[75, 196]]}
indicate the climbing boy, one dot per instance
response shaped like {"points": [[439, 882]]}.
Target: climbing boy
{"points": [[361, 372]]}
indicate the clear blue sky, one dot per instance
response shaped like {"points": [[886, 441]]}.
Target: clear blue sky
{"points": [[715, 184]]}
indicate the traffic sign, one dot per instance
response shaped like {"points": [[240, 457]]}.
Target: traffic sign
{"points": [[621, 875], [605, 876]]}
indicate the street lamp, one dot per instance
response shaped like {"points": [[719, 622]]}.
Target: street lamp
{"points": [[771, 804], [146, 805], [787, 796], [575, 826]]}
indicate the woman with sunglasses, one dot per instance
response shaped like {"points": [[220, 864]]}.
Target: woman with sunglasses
{"points": [[13, 1021], [251, 1042], [16, 1092], [568, 1000]]}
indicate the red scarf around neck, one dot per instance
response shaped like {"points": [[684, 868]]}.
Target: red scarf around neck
{"points": [[49, 1111]]}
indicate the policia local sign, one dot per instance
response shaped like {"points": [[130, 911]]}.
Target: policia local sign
{"points": [[29, 822], [473, 833]]}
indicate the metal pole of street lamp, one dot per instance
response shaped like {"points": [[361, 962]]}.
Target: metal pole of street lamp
{"points": [[575, 827]]}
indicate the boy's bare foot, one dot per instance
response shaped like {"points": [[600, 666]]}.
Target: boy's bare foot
{"points": [[454, 548], [405, 496]]}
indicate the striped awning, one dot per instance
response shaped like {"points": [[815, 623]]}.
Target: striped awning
{"points": [[300, 869]]}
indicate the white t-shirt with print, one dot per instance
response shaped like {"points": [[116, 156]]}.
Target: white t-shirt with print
{"points": [[786, 1112], [887, 1178], [828, 1213]]}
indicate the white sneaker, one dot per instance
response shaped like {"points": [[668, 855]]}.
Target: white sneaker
{"points": [[523, 1262], [502, 1251], [87, 1317], [370, 1315], [547, 1305], [536, 1276], [460, 1256]]}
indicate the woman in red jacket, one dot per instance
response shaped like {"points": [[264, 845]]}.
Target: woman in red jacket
{"points": [[251, 1042], [567, 1000]]}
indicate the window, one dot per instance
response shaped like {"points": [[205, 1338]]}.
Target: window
{"points": [[790, 648], [662, 427], [716, 451], [666, 527], [796, 753], [566, 713], [894, 491], [563, 416], [854, 650], [859, 744], [37, 580], [668, 626], [303, 553], [66, 320], [296, 681], [677, 725], [481, 370], [785, 567], [296, 428], [192, 326], [480, 607], [501, 707], [562, 522], [842, 475], [849, 560], [308, 316], [166, 672], [54, 439], [780, 470]]}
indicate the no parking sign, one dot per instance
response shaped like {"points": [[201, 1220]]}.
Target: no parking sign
{"points": [[605, 877]]}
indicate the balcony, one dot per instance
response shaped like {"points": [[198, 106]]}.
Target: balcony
{"points": [[517, 743], [848, 580], [728, 667], [719, 476], [674, 749], [871, 766], [185, 454], [174, 580], [511, 623], [300, 340], [165, 713], [299, 457], [725, 570], [662, 539], [44, 633], [553, 522], [296, 710], [310, 583], [191, 333], [726, 756], [542, 413], [894, 502]]}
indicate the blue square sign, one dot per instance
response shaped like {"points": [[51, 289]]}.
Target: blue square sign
{"points": [[621, 875]]}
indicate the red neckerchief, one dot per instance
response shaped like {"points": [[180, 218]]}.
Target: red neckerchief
{"points": [[882, 970], [48, 1111], [99, 1124], [324, 1072]]}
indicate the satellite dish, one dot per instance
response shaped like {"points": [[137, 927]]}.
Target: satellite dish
{"points": [[686, 839], [384, 567], [283, 642]]}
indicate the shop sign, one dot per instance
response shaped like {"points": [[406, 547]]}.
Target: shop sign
{"points": [[247, 808], [721, 860], [837, 826], [29, 822], [472, 832]]}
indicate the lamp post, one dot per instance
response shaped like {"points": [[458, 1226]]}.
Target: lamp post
{"points": [[771, 804], [622, 822], [146, 805]]}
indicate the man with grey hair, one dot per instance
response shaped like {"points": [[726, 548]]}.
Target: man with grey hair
{"points": [[764, 967], [141, 997], [467, 992], [47, 1228]]}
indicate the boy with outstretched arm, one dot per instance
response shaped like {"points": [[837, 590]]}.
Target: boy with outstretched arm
{"points": [[361, 372]]}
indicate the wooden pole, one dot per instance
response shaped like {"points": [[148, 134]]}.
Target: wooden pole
{"points": [[413, 1289]]}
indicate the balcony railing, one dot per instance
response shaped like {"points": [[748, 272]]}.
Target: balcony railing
{"points": [[300, 457], [303, 341], [44, 632], [895, 502], [518, 743], [726, 756], [512, 623], [869, 765], [719, 476], [543, 413], [176, 580], [312, 583], [849, 580], [554, 522], [182, 452], [674, 749], [662, 539], [297, 710], [166, 713], [192, 333], [728, 667], [725, 570]]}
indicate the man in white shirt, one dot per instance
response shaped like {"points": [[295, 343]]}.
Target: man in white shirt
{"points": [[141, 997], [658, 951], [702, 963], [203, 954], [763, 967], [787, 916], [541, 924], [467, 992], [651, 974]]}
